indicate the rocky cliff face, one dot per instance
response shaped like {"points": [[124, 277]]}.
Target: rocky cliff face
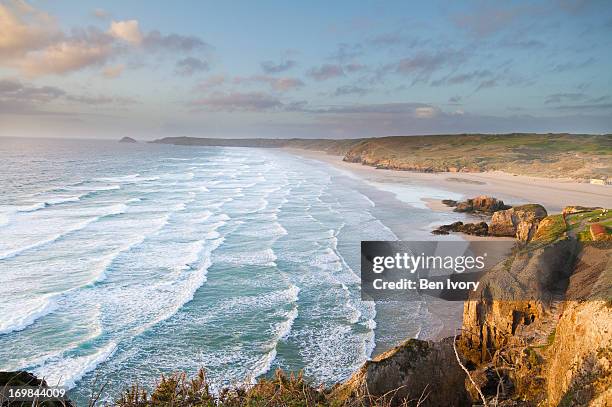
{"points": [[415, 370], [579, 368], [520, 221]]}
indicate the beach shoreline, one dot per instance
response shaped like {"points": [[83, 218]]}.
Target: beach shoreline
{"points": [[553, 193]]}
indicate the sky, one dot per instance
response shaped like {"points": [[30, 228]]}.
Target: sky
{"points": [[312, 69]]}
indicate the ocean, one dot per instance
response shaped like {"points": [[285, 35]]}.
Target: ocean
{"points": [[120, 262]]}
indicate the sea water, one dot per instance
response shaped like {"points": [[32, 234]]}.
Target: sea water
{"points": [[120, 262]]}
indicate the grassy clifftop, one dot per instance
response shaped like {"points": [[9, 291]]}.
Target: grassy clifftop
{"points": [[554, 155]]}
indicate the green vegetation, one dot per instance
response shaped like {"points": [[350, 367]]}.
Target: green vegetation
{"points": [[580, 223], [550, 155], [178, 390], [282, 390], [551, 228]]}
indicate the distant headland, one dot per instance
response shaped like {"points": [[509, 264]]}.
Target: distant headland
{"points": [[582, 157], [127, 140]]}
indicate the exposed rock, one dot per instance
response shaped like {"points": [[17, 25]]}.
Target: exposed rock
{"points": [[515, 298], [481, 204], [410, 371], [22, 378], [520, 221], [580, 368], [476, 229], [127, 140], [449, 202]]}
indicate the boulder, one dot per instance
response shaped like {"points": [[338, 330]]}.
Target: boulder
{"points": [[481, 204], [449, 202], [520, 221], [476, 229], [415, 370]]}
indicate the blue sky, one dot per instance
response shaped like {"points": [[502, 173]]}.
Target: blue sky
{"points": [[150, 69]]}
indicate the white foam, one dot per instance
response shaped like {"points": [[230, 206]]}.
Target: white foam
{"points": [[263, 365], [265, 257], [19, 316], [69, 370], [114, 210], [125, 178]]}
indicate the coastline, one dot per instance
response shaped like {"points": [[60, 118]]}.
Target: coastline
{"points": [[553, 193]]}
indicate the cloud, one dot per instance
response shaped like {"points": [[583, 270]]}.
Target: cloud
{"points": [[522, 44], [354, 67], [65, 56], [346, 52], [128, 31], [190, 65], [270, 67], [111, 72], [395, 39], [454, 100], [326, 71], [101, 14], [425, 112], [17, 97], [211, 83], [489, 83], [236, 101], [586, 106], [23, 29], [350, 90], [562, 97], [286, 84], [572, 66], [174, 42], [462, 78], [13, 90], [422, 65], [489, 20], [101, 100], [421, 110], [33, 43], [278, 84]]}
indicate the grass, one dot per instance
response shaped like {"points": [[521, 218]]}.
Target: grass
{"points": [[551, 228], [281, 390], [553, 155]]}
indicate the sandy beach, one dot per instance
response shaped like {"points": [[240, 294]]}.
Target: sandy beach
{"points": [[553, 194]]}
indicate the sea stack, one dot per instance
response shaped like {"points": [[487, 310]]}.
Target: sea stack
{"points": [[127, 140]]}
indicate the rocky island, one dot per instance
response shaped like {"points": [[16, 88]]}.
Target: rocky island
{"points": [[127, 140]]}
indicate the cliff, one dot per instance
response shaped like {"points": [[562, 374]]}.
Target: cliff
{"points": [[537, 332]]}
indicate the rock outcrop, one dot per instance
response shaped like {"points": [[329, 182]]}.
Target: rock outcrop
{"points": [[480, 204], [414, 370], [476, 229], [520, 221], [22, 378], [579, 371]]}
